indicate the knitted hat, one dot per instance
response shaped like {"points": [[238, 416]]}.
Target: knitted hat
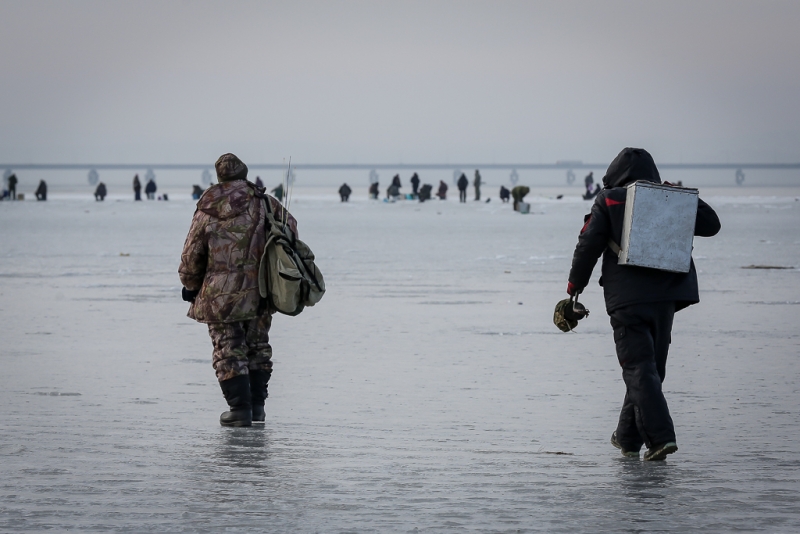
{"points": [[229, 168]]}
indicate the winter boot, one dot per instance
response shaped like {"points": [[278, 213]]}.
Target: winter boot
{"points": [[237, 393], [258, 393], [660, 452], [626, 453]]}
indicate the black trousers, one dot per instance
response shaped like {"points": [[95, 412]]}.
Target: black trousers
{"points": [[462, 195], [642, 334]]}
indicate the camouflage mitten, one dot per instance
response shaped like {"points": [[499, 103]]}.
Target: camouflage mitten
{"points": [[568, 313], [560, 316]]}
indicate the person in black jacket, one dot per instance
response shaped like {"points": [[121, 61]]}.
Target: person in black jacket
{"points": [[462, 188], [137, 188], [505, 193], [641, 303], [41, 191], [415, 185], [100, 192], [12, 186], [425, 192], [150, 189], [344, 192]]}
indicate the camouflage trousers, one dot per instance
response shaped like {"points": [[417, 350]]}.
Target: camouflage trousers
{"points": [[241, 347]]}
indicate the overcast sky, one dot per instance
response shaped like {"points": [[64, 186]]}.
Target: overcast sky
{"points": [[183, 82]]}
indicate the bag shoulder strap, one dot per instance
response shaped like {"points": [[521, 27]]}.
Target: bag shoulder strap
{"points": [[614, 247]]}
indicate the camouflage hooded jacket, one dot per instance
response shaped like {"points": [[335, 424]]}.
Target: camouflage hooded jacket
{"points": [[222, 252]]}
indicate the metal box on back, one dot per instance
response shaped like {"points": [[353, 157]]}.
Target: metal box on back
{"points": [[659, 227]]}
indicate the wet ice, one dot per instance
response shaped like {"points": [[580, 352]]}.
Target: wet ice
{"points": [[417, 394]]}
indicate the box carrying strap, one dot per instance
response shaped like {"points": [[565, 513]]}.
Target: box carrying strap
{"points": [[614, 247]]}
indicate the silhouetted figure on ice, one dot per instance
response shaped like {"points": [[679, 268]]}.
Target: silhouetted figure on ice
{"points": [[344, 192], [374, 191], [589, 182], [197, 192], [150, 189], [277, 192], [12, 186], [259, 183], [505, 193], [414, 184], [462, 187], [425, 192], [392, 192], [477, 184], [137, 188], [641, 303], [518, 194], [100, 192], [41, 191], [442, 192]]}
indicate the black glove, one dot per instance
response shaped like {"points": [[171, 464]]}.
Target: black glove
{"points": [[189, 296]]}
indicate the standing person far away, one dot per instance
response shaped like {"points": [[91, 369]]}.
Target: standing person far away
{"points": [[415, 184], [641, 303], [219, 272], [137, 188], [462, 187], [12, 186], [150, 189], [477, 184]]}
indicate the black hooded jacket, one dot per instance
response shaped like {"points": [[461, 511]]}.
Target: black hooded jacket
{"points": [[624, 285]]}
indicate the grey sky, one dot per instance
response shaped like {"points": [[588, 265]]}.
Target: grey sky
{"points": [[376, 81]]}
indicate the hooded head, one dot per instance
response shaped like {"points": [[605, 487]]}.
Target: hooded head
{"points": [[630, 165], [230, 168]]}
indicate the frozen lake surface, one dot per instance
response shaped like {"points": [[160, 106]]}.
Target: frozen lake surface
{"points": [[428, 391]]}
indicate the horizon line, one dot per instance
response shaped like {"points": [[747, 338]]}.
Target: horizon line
{"points": [[566, 165]]}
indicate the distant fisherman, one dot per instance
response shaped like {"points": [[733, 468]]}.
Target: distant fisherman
{"points": [[415, 184], [518, 194], [442, 193], [137, 188], [150, 189], [425, 192], [41, 191], [462, 187], [100, 192], [277, 192], [641, 303], [344, 192], [12, 186], [505, 194]]}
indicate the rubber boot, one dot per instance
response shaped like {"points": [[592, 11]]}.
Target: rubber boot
{"points": [[237, 393], [258, 393]]}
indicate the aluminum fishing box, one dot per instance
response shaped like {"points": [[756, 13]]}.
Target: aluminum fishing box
{"points": [[658, 228], [523, 207]]}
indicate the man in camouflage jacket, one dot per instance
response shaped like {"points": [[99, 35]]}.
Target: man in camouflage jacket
{"points": [[219, 272]]}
